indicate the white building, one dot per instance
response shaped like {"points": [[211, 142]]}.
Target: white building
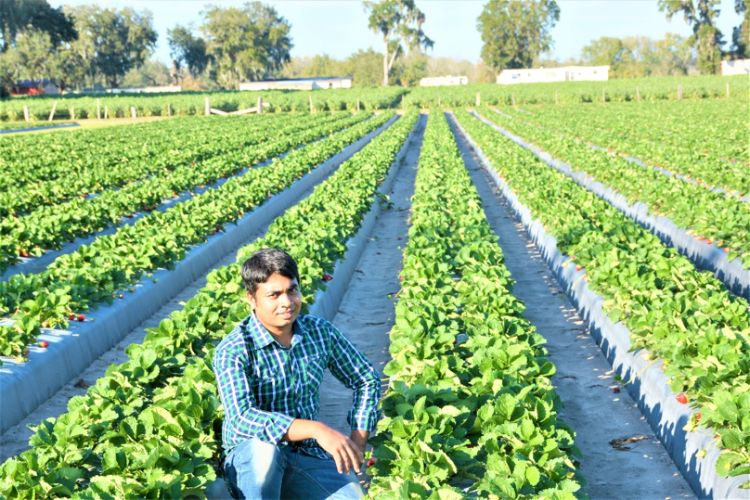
{"points": [[561, 74], [736, 67], [344, 82], [147, 90], [439, 81]]}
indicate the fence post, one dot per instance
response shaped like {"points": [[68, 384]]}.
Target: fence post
{"points": [[98, 109], [132, 112], [479, 100], [72, 113], [679, 91], [106, 114], [52, 113], [169, 109], [309, 98], [513, 99], [638, 94], [728, 89], [260, 105], [402, 102], [26, 113], [207, 106]]}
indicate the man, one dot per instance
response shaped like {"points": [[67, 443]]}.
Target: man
{"points": [[269, 370]]}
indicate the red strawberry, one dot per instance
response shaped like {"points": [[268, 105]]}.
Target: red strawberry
{"points": [[327, 277], [81, 317], [726, 249], [616, 390], [698, 417], [682, 398], [44, 344], [71, 317], [372, 461], [579, 267], [23, 253]]}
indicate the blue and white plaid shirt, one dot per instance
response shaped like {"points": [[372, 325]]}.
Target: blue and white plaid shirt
{"points": [[264, 386]]}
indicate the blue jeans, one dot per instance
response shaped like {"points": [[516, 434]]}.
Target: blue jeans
{"points": [[256, 469]]}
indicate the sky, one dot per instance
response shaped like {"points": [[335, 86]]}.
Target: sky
{"points": [[339, 27]]}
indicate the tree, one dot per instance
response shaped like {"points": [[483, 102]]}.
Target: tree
{"points": [[399, 22], [250, 43], [412, 68], [741, 33], [113, 42], [19, 15], [638, 56], [514, 33], [188, 50], [151, 73], [707, 39], [365, 67]]}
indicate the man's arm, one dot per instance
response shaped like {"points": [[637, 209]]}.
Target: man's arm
{"points": [[351, 367], [345, 451]]}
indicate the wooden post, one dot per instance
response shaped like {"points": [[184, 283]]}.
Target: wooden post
{"points": [[169, 109], [132, 112], [309, 98], [207, 106], [98, 109], [72, 113], [638, 94], [479, 100], [402, 102], [679, 92], [260, 105], [106, 114], [52, 113], [728, 89], [26, 113], [513, 99]]}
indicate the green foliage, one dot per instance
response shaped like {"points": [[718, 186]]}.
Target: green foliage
{"points": [[640, 56], [112, 42], [470, 411], [146, 428], [248, 43], [707, 39], [17, 16], [684, 317], [515, 33], [187, 50]]}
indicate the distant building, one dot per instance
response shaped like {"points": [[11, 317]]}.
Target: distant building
{"points": [[322, 82], [736, 67], [438, 81], [35, 87], [561, 74], [147, 90]]}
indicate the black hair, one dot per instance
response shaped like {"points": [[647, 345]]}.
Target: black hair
{"points": [[263, 263]]}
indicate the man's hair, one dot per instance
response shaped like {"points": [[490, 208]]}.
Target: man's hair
{"points": [[263, 263]]}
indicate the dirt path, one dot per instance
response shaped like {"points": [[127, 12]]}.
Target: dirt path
{"points": [[366, 314], [604, 420]]}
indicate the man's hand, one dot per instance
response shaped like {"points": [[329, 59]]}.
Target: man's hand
{"points": [[347, 454], [360, 439]]}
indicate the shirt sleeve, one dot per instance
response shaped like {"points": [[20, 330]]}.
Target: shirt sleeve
{"points": [[351, 367], [241, 410]]}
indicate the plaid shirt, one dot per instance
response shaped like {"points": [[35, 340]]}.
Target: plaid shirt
{"points": [[264, 386]]}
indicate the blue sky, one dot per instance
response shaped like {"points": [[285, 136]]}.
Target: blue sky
{"points": [[339, 27]]}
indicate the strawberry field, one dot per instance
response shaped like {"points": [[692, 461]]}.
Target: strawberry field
{"points": [[105, 226]]}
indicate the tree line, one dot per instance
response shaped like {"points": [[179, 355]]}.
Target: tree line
{"points": [[91, 46]]}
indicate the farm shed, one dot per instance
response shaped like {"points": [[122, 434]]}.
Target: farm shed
{"points": [[439, 81], [35, 87], [323, 82], [561, 74], [735, 67]]}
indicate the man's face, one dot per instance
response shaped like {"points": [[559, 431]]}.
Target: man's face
{"points": [[277, 303]]}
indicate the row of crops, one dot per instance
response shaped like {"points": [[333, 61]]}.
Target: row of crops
{"points": [[193, 103], [471, 409]]}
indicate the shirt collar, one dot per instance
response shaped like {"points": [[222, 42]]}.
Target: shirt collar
{"points": [[261, 337]]}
